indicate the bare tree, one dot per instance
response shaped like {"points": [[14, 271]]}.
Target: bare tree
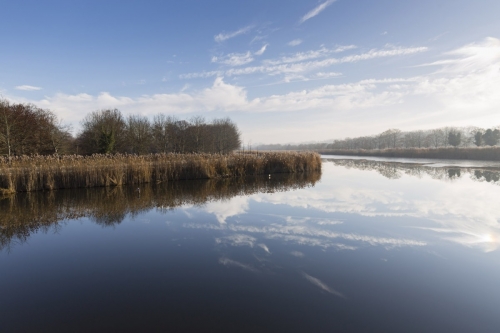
{"points": [[27, 129], [197, 134], [161, 132], [437, 137], [138, 135]]}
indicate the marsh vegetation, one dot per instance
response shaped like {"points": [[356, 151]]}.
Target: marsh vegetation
{"points": [[26, 174]]}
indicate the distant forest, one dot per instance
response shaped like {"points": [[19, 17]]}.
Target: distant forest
{"points": [[26, 129], [394, 138]]}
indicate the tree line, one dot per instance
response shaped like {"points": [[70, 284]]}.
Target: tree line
{"points": [[395, 138], [26, 129]]}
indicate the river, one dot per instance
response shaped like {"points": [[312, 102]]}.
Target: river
{"points": [[367, 246]]}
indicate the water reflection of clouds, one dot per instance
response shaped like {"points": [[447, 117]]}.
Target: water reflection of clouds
{"points": [[465, 211], [297, 254], [227, 208], [462, 211], [303, 234], [233, 263], [320, 284], [237, 240]]}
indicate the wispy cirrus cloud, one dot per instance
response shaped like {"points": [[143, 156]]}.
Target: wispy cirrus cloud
{"points": [[228, 35], [262, 50], [315, 11], [308, 55], [238, 59], [234, 59], [28, 88], [295, 42], [461, 85], [297, 63]]}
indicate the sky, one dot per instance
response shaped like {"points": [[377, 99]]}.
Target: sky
{"points": [[285, 71]]}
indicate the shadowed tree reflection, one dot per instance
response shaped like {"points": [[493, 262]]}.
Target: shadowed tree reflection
{"points": [[23, 214], [487, 175]]}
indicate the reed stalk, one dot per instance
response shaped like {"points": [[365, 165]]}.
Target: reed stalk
{"points": [[36, 173]]}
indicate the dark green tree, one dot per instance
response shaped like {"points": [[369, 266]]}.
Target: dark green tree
{"points": [[454, 138], [106, 142], [478, 138], [491, 137], [103, 132]]}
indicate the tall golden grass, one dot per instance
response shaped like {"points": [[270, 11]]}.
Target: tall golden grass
{"points": [[22, 214], [478, 153], [35, 173]]}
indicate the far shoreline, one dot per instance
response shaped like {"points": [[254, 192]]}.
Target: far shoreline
{"points": [[448, 153]]}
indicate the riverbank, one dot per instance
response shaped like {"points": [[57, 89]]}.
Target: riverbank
{"points": [[479, 154], [36, 173]]}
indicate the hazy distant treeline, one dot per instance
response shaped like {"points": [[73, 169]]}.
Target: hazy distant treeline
{"points": [[26, 129], [394, 138]]}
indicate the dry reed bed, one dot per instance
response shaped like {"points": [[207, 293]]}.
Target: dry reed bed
{"points": [[480, 153], [35, 173]]}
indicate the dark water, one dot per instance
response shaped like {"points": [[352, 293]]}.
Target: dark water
{"points": [[369, 247]]}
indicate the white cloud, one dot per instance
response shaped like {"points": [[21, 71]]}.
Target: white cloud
{"points": [[28, 88], [257, 38], [225, 36], [318, 9], [296, 63], [234, 59], [262, 50], [201, 75], [295, 42], [237, 59], [326, 75], [313, 54], [460, 89]]}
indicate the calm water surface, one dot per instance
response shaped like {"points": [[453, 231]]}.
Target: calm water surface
{"points": [[367, 246]]}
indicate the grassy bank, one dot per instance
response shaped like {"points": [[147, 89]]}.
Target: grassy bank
{"points": [[35, 173], [481, 154]]}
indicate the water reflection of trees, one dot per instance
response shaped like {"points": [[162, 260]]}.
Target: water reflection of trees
{"points": [[394, 170], [23, 214]]}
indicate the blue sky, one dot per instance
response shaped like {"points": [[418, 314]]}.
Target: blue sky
{"points": [[284, 71]]}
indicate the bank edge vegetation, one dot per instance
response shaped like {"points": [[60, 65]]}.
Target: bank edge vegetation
{"points": [[35, 173], [446, 142]]}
